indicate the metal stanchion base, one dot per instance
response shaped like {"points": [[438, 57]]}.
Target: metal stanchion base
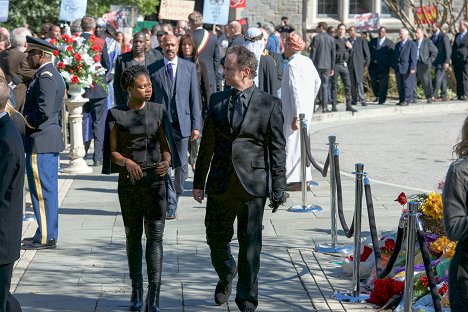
{"points": [[306, 208], [349, 297], [334, 248], [28, 217]]}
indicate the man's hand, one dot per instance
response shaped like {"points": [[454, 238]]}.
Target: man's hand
{"points": [[412, 72], [162, 168], [348, 45], [195, 135], [445, 66], [198, 195], [277, 198], [295, 124], [332, 72]]}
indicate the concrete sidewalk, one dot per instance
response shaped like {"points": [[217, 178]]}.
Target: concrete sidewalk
{"points": [[88, 270]]}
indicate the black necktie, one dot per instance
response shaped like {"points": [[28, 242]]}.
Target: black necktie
{"points": [[237, 112]]}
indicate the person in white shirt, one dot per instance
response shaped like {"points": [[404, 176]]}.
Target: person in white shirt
{"points": [[300, 85]]}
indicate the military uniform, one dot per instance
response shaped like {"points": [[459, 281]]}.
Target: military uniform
{"points": [[43, 144]]}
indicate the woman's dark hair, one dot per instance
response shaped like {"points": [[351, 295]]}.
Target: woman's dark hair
{"points": [[189, 38], [461, 149], [130, 74]]}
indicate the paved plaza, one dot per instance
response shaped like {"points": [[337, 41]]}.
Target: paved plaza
{"points": [[404, 149]]}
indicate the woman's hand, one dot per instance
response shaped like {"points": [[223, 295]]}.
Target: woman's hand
{"points": [[162, 168], [133, 169]]}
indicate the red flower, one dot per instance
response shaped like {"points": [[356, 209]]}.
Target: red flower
{"points": [[53, 41], [75, 79], [61, 65], [70, 48], [384, 289], [56, 52], [424, 281], [77, 57], [67, 38], [78, 68], [95, 48], [442, 290], [97, 58], [70, 70], [401, 199]]}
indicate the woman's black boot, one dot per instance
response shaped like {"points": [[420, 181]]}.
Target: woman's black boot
{"points": [[136, 299], [152, 299]]}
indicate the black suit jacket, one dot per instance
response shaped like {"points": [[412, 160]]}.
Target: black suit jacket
{"points": [[96, 91], [125, 61], [11, 190], [255, 154], [359, 59], [209, 55], [442, 43], [42, 108], [460, 51], [427, 51], [381, 57]]}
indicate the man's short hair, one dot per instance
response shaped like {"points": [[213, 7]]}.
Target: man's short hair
{"points": [[269, 28], [341, 24], [4, 93], [18, 37], [405, 31], [322, 25], [196, 19], [245, 59], [88, 23]]}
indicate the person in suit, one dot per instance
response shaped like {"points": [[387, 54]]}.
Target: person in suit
{"points": [[137, 56], [426, 54], [15, 65], [44, 141], [242, 147], [381, 51], [359, 59], [96, 106], [442, 61], [404, 63], [207, 47], [175, 85], [460, 61], [12, 165], [343, 51], [323, 56], [235, 34]]}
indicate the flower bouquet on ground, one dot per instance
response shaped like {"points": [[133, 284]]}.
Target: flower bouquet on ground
{"points": [[79, 61]]}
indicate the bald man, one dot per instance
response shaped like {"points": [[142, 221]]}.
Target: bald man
{"points": [[175, 85], [235, 34]]}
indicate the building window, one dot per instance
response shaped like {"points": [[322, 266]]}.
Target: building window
{"points": [[327, 7], [360, 6], [385, 11]]}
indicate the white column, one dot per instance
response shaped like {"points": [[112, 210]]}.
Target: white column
{"points": [[344, 10], [77, 163]]}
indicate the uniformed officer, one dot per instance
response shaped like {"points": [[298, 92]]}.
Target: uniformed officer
{"points": [[43, 141]]}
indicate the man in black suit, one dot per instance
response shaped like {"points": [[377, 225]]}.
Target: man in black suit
{"points": [[404, 63], [175, 85], [442, 61], [358, 61], [427, 53], [243, 148], [460, 60], [323, 57], [96, 106], [381, 51], [12, 164], [207, 48], [43, 142]]}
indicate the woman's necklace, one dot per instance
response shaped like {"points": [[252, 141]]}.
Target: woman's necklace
{"points": [[136, 108]]}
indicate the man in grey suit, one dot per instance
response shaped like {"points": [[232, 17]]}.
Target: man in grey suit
{"points": [[323, 57], [404, 63], [175, 85], [427, 53], [442, 61], [358, 61]]}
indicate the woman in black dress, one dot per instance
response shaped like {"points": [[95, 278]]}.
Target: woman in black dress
{"points": [[138, 148]]}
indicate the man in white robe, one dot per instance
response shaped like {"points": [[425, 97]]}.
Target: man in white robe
{"points": [[300, 85]]}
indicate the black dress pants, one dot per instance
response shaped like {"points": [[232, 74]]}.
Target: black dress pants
{"points": [[379, 82], [8, 303], [144, 204], [221, 211], [461, 75]]}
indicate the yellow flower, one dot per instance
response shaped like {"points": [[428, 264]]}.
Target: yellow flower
{"points": [[432, 206], [443, 245]]}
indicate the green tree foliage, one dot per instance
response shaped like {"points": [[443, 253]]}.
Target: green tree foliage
{"points": [[37, 12]]}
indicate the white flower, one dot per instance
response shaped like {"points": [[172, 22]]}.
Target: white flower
{"points": [[66, 75], [79, 40], [67, 60]]}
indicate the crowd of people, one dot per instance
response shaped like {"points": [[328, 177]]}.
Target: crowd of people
{"points": [[225, 102], [336, 55]]}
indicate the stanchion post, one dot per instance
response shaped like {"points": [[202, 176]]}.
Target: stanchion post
{"points": [[410, 249], [357, 229], [304, 207]]}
